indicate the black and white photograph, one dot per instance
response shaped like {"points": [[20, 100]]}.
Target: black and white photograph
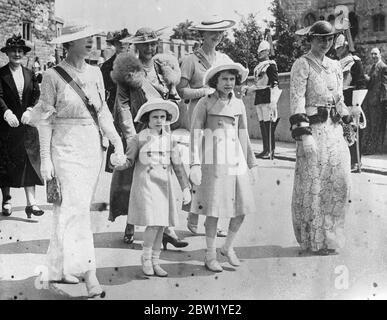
{"points": [[193, 151]]}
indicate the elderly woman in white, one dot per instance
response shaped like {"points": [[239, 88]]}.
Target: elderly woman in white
{"points": [[71, 150]]}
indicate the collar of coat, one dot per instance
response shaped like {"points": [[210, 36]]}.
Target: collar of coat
{"points": [[155, 143], [230, 108]]}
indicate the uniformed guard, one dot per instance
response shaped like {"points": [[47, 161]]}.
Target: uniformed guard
{"points": [[266, 79], [353, 79]]}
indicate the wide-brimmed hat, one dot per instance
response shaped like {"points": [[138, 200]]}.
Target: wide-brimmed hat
{"points": [[158, 104], [15, 41], [213, 23], [225, 66], [117, 35], [75, 32], [320, 28], [144, 35]]}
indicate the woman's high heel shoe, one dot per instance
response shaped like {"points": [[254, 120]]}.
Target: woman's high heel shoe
{"points": [[36, 212], [6, 209], [173, 241]]}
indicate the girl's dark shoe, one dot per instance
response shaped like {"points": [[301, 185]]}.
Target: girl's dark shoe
{"points": [[129, 234], [175, 242], [36, 212]]}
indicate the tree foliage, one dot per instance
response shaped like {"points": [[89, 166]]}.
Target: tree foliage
{"points": [[244, 48], [288, 45], [181, 31]]}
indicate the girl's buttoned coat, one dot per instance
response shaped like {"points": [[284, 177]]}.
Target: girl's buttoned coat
{"points": [[153, 196], [221, 146]]}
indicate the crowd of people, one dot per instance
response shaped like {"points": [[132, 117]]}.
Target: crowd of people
{"points": [[57, 130]]}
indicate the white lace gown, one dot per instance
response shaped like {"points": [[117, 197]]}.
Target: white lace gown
{"points": [[321, 184], [77, 158]]}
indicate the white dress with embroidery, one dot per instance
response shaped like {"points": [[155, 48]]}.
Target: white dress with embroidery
{"points": [[76, 154], [321, 184]]}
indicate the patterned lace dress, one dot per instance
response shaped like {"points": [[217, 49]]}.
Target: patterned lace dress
{"points": [[76, 154], [322, 183]]}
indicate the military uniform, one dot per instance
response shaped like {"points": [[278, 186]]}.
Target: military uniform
{"points": [[353, 79], [266, 75]]}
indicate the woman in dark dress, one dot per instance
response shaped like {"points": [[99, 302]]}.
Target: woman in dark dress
{"points": [[19, 143]]}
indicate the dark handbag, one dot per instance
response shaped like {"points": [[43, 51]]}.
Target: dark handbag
{"points": [[67, 78], [53, 191]]}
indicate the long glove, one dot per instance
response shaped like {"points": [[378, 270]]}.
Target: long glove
{"points": [[309, 145], [11, 119], [186, 196], [46, 166], [26, 116], [107, 126], [195, 175]]}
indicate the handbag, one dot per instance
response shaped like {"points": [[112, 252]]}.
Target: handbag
{"points": [[76, 87], [53, 191]]}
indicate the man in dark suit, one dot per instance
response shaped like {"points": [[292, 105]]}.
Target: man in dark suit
{"points": [[19, 143], [374, 106], [353, 79]]}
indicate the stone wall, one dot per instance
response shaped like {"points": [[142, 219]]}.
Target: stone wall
{"points": [[365, 39], [41, 15]]}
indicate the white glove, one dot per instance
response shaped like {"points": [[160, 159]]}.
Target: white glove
{"points": [[356, 111], [244, 90], [118, 159], [309, 145], [195, 175], [107, 126], [208, 91], [186, 196], [11, 119], [47, 170], [26, 117], [46, 166]]}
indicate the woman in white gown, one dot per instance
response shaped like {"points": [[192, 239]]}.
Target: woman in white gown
{"points": [[71, 151]]}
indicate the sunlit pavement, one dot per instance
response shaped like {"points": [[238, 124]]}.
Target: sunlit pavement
{"points": [[271, 265]]}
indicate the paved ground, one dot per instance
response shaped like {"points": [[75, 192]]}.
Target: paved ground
{"points": [[271, 265]]}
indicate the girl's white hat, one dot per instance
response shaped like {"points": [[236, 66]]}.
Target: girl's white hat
{"points": [[75, 32], [158, 104], [225, 66]]}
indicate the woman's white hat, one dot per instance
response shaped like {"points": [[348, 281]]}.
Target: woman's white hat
{"points": [[214, 23], [263, 45], [75, 32], [158, 104], [225, 66]]}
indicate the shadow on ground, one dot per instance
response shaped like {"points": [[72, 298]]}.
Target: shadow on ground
{"points": [[26, 290]]}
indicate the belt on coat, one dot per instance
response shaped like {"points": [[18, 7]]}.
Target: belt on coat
{"points": [[323, 111]]}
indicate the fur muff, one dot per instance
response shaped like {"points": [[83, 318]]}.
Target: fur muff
{"points": [[124, 67]]}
